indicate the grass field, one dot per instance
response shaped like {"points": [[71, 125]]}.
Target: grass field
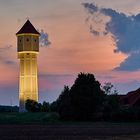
{"points": [[40, 126], [25, 118]]}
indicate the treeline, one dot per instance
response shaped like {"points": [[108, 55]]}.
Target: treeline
{"points": [[9, 108], [87, 100]]}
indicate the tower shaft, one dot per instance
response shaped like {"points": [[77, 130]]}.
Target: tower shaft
{"points": [[28, 78]]}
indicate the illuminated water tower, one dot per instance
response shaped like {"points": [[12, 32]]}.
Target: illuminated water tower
{"points": [[27, 48]]}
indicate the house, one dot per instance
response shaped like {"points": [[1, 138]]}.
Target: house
{"points": [[131, 98]]}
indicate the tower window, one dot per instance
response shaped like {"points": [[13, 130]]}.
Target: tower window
{"points": [[20, 40], [35, 40], [27, 39]]}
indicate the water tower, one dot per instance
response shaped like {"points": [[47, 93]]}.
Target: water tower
{"points": [[28, 49]]}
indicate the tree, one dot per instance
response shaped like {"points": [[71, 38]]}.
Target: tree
{"points": [[86, 96], [53, 107], [64, 104], [45, 107], [111, 95], [32, 106], [111, 102], [109, 89]]}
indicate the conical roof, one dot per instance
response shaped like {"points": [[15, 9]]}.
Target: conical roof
{"points": [[28, 28]]}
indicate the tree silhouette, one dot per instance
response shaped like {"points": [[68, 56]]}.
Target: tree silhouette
{"points": [[86, 96], [64, 104], [45, 107], [82, 100], [111, 101], [32, 106]]}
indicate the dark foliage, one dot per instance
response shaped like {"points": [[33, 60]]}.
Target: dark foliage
{"points": [[53, 107], [32, 106], [83, 99], [87, 101], [110, 106], [9, 108], [86, 96], [45, 107], [126, 114], [64, 104], [111, 101]]}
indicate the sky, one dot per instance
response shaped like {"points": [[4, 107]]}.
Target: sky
{"points": [[92, 36]]}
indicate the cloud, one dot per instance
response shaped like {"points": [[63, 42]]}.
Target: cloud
{"points": [[96, 20], [5, 57], [44, 39], [124, 31], [96, 33], [131, 63]]}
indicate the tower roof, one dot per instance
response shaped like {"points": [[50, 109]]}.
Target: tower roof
{"points": [[28, 28]]}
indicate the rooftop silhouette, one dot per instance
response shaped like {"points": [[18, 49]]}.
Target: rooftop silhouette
{"points": [[27, 28]]}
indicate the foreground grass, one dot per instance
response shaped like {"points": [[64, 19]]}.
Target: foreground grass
{"points": [[43, 117], [25, 118], [26, 126]]}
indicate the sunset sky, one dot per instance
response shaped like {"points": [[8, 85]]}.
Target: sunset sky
{"points": [[96, 36]]}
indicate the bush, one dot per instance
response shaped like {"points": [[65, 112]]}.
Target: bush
{"points": [[32, 106], [127, 114]]}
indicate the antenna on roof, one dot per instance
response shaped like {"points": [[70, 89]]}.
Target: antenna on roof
{"points": [[27, 18]]}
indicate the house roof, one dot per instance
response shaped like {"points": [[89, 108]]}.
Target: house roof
{"points": [[130, 98], [28, 28]]}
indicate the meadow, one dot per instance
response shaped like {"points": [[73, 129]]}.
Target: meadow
{"points": [[40, 126]]}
